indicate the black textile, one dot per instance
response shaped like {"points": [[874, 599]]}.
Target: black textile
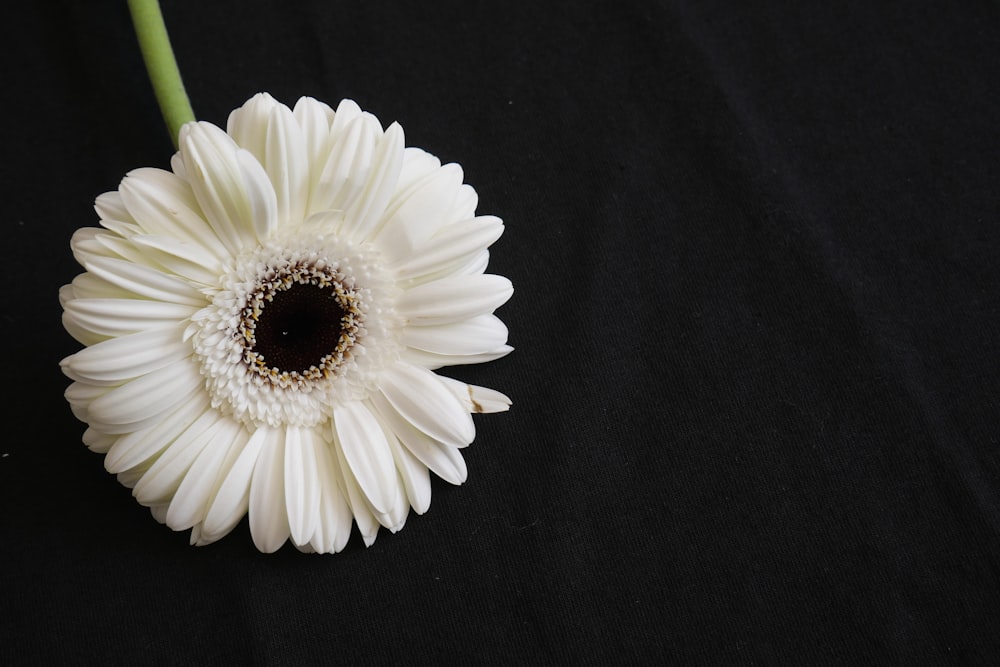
{"points": [[756, 385]]}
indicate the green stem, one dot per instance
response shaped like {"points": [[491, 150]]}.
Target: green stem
{"points": [[161, 65]]}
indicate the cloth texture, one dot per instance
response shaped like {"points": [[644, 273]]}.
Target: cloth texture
{"points": [[756, 384]]}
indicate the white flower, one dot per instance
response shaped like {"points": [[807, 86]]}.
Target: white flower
{"points": [[262, 324]]}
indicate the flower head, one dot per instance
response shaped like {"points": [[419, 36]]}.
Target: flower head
{"points": [[262, 323]]}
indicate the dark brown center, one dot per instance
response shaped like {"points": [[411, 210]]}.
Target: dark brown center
{"points": [[298, 327]]}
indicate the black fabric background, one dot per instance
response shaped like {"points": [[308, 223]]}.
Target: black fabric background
{"points": [[756, 386]]}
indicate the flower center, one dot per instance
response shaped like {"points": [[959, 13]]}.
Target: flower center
{"points": [[299, 328], [299, 325]]}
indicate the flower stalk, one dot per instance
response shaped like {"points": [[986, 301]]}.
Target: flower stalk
{"points": [[161, 65]]}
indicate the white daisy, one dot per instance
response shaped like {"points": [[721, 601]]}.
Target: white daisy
{"points": [[262, 323]]}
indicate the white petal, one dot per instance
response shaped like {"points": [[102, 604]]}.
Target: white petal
{"points": [[140, 446], [165, 205], [160, 483], [80, 396], [233, 498], [109, 206], [302, 483], [443, 460], [286, 161], [124, 229], [334, 526], [84, 245], [129, 478], [465, 203], [202, 481], [420, 398], [414, 474], [228, 188], [148, 396], [476, 398], [360, 437], [260, 195], [119, 317], [98, 442], [66, 294], [395, 518], [454, 299], [324, 222], [349, 163], [248, 124], [107, 244], [432, 360], [482, 333], [268, 515], [418, 165], [367, 524], [475, 266], [366, 211], [314, 118], [413, 219], [347, 112], [159, 512], [120, 359], [89, 286], [181, 259], [79, 333], [189, 260], [177, 166], [454, 245], [145, 281]]}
